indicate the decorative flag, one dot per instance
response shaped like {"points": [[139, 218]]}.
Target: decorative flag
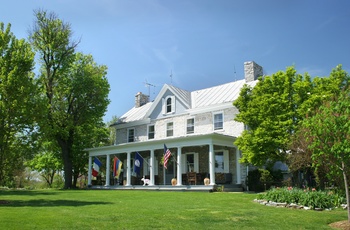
{"points": [[167, 155], [138, 163], [117, 166], [96, 167]]}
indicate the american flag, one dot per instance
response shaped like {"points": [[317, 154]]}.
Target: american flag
{"points": [[167, 155]]}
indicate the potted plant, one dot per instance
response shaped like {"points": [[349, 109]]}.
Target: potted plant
{"points": [[173, 181]]}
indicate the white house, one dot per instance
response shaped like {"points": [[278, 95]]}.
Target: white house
{"points": [[198, 127]]}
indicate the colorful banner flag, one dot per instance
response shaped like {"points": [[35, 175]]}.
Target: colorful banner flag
{"points": [[96, 167], [138, 162], [167, 155], [117, 167]]}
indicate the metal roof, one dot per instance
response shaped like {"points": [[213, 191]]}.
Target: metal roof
{"points": [[196, 99], [218, 94]]}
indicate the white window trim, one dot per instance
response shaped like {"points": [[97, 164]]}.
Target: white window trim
{"points": [[223, 123], [226, 160], [154, 131], [194, 125], [166, 129], [164, 102], [184, 162], [128, 135]]}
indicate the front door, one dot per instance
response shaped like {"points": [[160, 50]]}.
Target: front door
{"points": [[170, 172]]}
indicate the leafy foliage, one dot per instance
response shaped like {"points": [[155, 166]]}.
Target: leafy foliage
{"points": [[46, 162], [271, 110], [74, 90], [310, 198], [16, 102], [329, 133]]}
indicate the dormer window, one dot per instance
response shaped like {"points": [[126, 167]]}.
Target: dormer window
{"points": [[169, 105]]}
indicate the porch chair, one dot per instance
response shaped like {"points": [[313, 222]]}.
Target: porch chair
{"points": [[192, 177]]}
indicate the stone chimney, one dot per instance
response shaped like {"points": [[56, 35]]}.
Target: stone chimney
{"points": [[252, 71], [141, 99]]}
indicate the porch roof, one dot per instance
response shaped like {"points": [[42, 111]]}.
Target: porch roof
{"points": [[183, 141]]}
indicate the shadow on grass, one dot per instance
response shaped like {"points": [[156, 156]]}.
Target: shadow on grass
{"points": [[48, 203]]}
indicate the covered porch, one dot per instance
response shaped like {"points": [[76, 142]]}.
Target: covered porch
{"points": [[199, 148]]}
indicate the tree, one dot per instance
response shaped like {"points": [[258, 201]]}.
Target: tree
{"points": [[16, 101], [329, 133], [96, 137], [46, 162], [271, 111], [112, 130], [74, 89]]}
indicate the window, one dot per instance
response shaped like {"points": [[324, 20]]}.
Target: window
{"points": [[169, 105], [169, 129], [131, 135], [218, 121], [190, 162], [190, 126], [151, 132], [219, 162]]}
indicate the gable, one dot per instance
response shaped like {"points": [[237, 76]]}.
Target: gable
{"points": [[180, 101]]}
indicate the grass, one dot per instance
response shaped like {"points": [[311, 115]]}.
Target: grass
{"points": [[108, 209]]}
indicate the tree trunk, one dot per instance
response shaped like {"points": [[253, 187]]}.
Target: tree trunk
{"points": [[346, 189], [67, 162]]}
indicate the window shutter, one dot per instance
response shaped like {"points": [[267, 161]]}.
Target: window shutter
{"points": [[196, 165], [226, 162], [146, 167], [155, 167], [124, 168], [183, 163], [173, 104], [163, 106]]}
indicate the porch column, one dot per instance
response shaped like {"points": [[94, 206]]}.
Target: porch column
{"points": [[89, 170], [238, 167], [212, 164], [108, 169], [179, 166], [128, 172], [151, 167]]}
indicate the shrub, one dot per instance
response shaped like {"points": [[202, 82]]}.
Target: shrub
{"points": [[261, 179], [310, 198]]}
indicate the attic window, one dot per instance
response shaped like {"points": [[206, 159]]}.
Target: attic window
{"points": [[169, 105]]}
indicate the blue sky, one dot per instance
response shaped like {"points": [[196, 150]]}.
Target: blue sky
{"points": [[203, 43]]}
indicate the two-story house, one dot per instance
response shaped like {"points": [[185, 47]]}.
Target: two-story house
{"points": [[198, 128]]}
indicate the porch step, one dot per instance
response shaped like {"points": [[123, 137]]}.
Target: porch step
{"points": [[231, 187]]}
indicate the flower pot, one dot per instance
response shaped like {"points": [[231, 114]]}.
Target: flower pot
{"points": [[173, 181], [206, 181]]}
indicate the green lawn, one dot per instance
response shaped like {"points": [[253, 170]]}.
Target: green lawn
{"points": [[108, 209]]}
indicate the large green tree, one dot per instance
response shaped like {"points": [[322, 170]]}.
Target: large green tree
{"points": [[271, 111], [329, 133], [74, 89], [16, 101]]}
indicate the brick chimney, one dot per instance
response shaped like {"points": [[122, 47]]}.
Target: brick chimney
{"points": [[141, 99], [252, 71]]}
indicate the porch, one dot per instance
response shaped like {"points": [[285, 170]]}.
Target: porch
{"points": [[193, 153], [179, 188], [198, 188]]}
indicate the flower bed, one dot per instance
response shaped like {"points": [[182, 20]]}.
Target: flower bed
{"points": [[300, 198]]}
